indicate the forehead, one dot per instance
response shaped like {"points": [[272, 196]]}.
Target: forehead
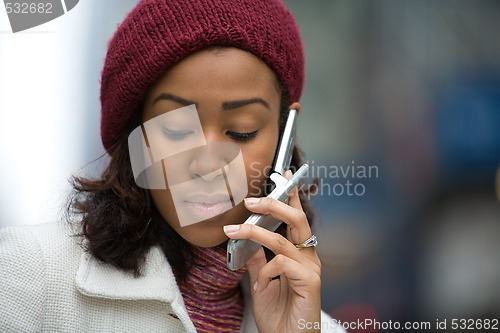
{"points": [[219, 73]]}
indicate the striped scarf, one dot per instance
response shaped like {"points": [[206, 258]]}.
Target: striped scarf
{"points": [[211, 292]]}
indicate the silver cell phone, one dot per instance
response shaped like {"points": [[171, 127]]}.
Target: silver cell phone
{"points": [[240, 250]]}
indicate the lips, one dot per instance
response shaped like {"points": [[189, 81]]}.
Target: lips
{"points": [[205, 206]]}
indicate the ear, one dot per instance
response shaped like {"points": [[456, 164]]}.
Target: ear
{"points": [[296, 106]]}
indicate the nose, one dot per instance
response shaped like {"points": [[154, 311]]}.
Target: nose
{"points": [[209, 160]]}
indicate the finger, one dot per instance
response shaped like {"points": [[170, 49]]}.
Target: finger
{"points": [[294, 235], [273, 241], [255, 264], [295, 218], [293, 196], [297, 275]]}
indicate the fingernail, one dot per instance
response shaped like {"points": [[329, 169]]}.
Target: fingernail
{"points": [[256, 284], [231, 228], [252, 201]]}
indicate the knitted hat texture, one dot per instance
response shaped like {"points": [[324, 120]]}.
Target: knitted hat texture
{"points": [[159, 33]]}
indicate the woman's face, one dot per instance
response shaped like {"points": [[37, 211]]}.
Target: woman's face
{"points": [[238, 103]]}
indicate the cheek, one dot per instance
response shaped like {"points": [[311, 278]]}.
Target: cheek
{"points": [[163, 202], [258, 164]]}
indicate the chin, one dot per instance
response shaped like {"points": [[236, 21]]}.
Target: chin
{"points": [[207, 238], [210, 233]]}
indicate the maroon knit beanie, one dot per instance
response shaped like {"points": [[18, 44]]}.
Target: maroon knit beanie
{"points": [[158, 33]]}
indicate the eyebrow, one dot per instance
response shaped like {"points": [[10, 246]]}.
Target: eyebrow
{"points": [[177, 99], [238, 104], [229, 105]]}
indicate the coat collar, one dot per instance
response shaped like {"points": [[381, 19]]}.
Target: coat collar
{"points": [[157, 281]]}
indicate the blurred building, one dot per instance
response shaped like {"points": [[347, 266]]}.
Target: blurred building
{"points": [[413, 87]]}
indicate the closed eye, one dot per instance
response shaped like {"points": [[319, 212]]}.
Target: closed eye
{"points": [[176, 134], [241, 136]]}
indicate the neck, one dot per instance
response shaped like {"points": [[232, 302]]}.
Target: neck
{"points": [[210, 279], [211, 291]]}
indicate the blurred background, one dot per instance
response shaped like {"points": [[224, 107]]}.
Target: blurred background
{"points": [[408, 88]]}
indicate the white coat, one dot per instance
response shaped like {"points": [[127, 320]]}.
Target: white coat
{"points": [[49, 284]]}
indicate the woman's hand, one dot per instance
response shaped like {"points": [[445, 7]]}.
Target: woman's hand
{"points": [[279, 304]]}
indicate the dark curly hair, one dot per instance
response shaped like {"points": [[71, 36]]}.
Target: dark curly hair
{"points": [[119, 220]]}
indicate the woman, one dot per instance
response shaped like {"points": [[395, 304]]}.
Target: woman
{"points": [[136, 265]]}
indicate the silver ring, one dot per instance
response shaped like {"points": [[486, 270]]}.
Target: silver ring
{"points": [[310, 242]]}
